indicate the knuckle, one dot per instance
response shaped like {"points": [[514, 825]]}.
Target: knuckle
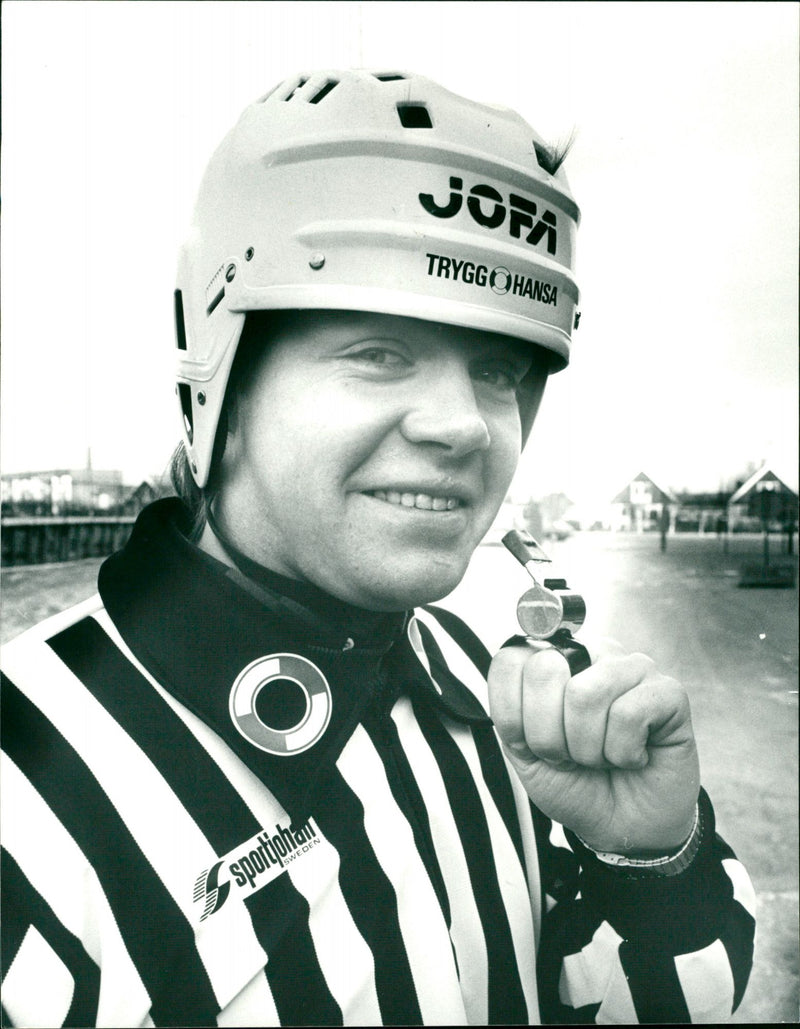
{"points": [[678, 695], [506, 659], [669, 688], [545, 666], [624, 719], [641, 665], [587, 694], [630, 668]]}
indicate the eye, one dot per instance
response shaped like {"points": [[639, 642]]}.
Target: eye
{"points": [[380, 356], [500, 375], [378, 359]]}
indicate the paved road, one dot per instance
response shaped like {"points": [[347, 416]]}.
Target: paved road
{"points": [[736, 651]]}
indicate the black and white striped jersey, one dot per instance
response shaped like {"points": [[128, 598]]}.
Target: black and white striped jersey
{"points": [[184, 846]]}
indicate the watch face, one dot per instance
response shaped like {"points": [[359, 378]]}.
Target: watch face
{"points": [[539, 612]]}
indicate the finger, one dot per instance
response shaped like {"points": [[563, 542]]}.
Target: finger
{"points": [[526, 687], [505, 695], [654, 714], [588, 700], [545, 678]]}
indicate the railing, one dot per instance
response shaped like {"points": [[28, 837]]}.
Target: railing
{"points": [[31, 541]]}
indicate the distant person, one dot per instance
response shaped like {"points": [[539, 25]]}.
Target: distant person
{"points": [[790, 529], [258, 779], [663, 525]]}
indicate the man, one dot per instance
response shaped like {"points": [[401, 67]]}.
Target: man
{"points": [[256, 781]]}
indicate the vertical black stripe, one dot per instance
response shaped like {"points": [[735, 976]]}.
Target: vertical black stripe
{"points": [[495, 772], [158, 938], [298, 987], [506, 998], [472, 646], [372, 902], [24, 906], [566, 929], [279, 912], [406, 792], [558, 866], [738, 938], [654, 984], [496, 777], [456, 700]]}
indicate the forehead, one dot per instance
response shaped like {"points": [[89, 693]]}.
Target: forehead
{"points": [[329, 329]]}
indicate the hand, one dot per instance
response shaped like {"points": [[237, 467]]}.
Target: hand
{"points": [[608, 753]]}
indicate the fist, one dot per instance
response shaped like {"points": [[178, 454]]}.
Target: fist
{"points": [[609, 753]]}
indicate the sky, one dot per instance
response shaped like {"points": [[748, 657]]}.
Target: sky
{"points": [[684, 164]]}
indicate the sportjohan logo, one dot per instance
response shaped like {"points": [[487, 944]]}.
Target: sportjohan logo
{"points": [[281, 704], [488, 208], [254, 864], [500, 280]]}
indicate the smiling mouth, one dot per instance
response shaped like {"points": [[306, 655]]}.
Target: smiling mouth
{"points": [[420, 501]]}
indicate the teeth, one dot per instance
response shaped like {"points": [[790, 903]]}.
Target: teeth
{"points": [[422, 501]]}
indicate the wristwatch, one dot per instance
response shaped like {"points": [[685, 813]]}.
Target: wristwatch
{"points": [[668, 865]]}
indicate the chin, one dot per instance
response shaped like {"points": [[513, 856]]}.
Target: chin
{"points": [[407, 591]]}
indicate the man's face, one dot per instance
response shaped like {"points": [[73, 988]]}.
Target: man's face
{"points": [[370, 453]]}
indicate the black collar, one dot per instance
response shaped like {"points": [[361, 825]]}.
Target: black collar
{"points": [[195, 624]]}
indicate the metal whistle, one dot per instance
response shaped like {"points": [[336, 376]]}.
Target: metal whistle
{"points": [[549, 610]]}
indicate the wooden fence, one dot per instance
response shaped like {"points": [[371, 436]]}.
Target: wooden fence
{"points": [[32, 541]]}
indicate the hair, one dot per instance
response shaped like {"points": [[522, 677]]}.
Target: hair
{"points": [[256, 334], [194, 498], [551, 158]]}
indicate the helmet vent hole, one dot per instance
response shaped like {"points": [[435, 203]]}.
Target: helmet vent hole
{"points": [[298, 85], [322, 93], [390, 76], [414, 116], [180, 324], [215, 301], [185, 396]]}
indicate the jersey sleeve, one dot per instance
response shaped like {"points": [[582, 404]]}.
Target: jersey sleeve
{"points": [[626, 947]]}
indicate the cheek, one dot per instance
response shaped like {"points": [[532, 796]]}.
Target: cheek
{"points": [[340, 431], [506, 448], [311, 446]]}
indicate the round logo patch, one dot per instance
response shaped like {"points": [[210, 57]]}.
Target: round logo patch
{"points": [[281, 704], [500, 280]]}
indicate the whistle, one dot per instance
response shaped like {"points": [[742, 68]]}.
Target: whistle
{"points": [[549, 610]]}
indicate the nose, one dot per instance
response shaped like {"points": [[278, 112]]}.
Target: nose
{"points": [[445, 412]]}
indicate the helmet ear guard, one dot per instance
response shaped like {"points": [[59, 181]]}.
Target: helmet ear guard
{"points": [[207, 341], [374, 192]]}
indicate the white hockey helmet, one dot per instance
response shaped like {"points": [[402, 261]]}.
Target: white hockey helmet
{"points": [[370, 191]]}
